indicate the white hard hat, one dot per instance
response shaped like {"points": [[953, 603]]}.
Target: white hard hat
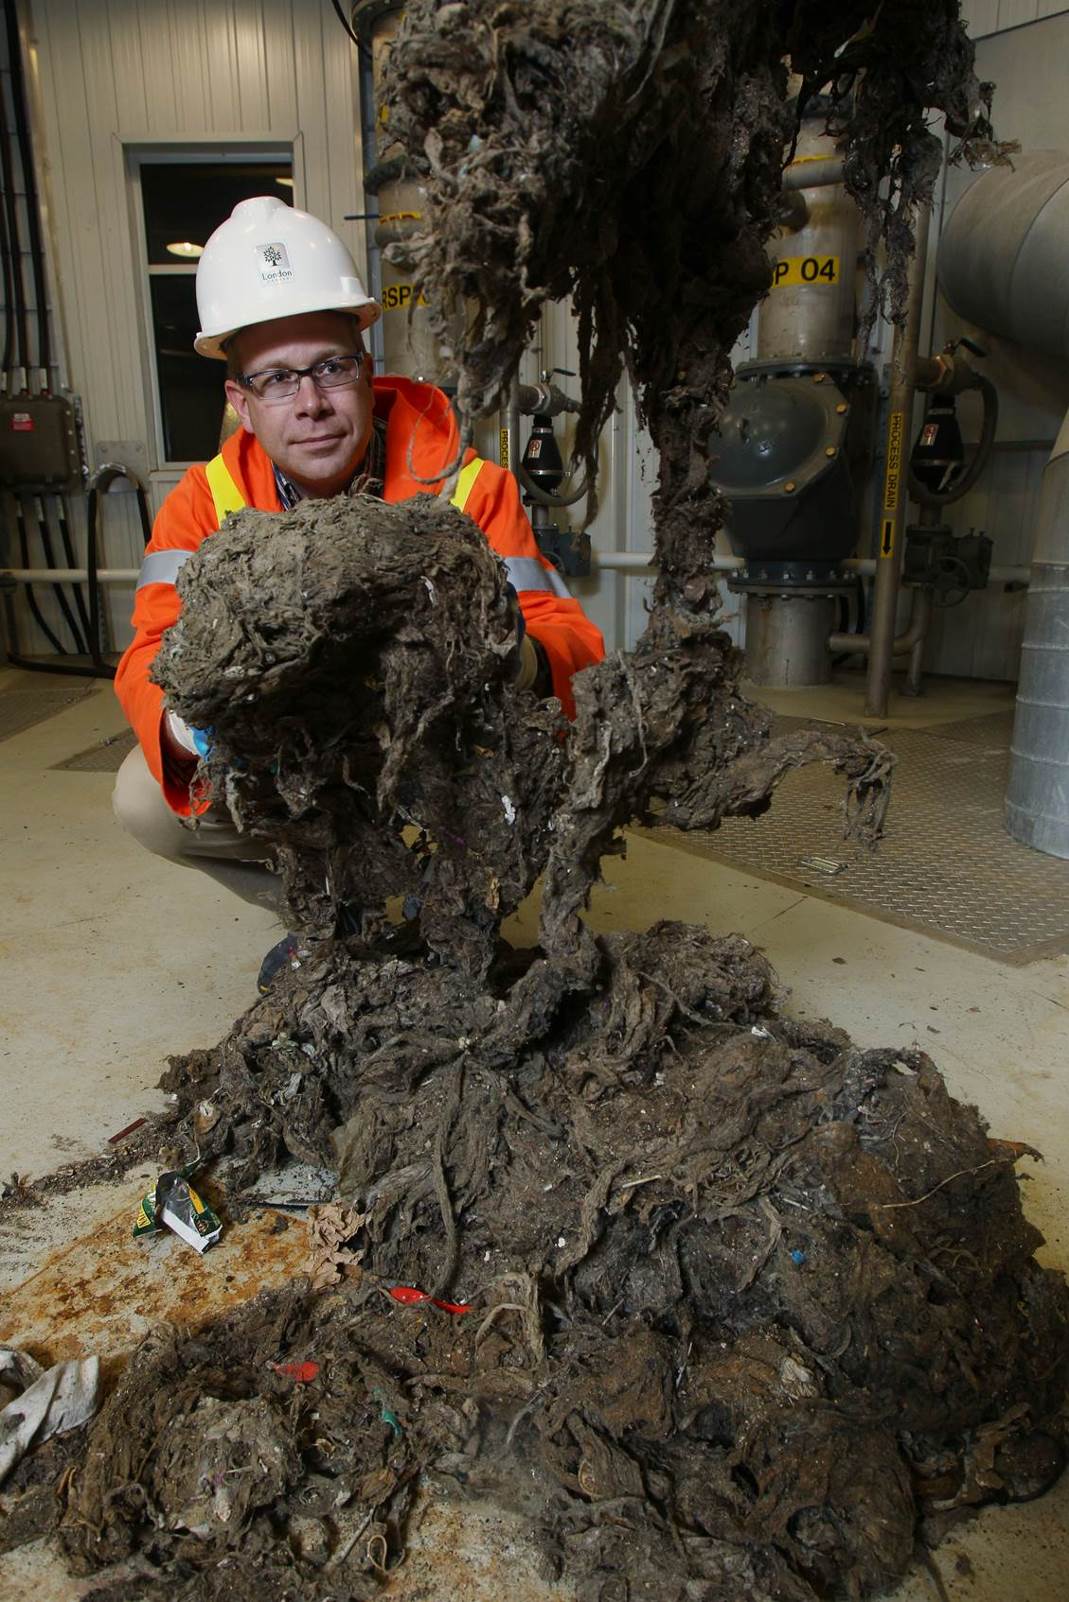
{"points": [[271, 260]]}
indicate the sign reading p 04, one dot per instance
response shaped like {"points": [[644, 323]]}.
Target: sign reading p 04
{"points": [[790, 271]]}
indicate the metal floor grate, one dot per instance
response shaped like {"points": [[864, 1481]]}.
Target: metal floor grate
{"points": [[20, 709], [946, 865], [993, 730], [105, 757]]}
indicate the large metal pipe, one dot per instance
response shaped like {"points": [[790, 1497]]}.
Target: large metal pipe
{"points": [[1002, 255], [639, 561], [1002, 267], [893, 508], [787, 639], [818, 172], [809, 314]]}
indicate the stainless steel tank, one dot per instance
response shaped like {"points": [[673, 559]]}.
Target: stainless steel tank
{"points": [[1002, 266], [1037, 797]]}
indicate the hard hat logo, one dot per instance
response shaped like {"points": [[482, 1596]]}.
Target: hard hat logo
{"points": [[270, 260], [274, 263]]}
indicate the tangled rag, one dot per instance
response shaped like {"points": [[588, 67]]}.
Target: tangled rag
{"points": [[51, 1402]]}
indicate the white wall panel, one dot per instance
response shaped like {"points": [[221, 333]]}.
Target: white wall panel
{"points": [[189, 61]]}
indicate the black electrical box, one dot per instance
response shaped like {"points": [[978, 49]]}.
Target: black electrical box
{"points": [[39, 447], [950, 564], [568, 549]]}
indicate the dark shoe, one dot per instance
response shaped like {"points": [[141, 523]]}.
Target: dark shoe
{"points": [[282, 956]]}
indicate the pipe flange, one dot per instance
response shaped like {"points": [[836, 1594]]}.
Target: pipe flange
{"points": [[791, 578]]}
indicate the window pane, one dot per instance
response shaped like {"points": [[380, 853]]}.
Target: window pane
{"points": [[192, 397], [184, 202]]}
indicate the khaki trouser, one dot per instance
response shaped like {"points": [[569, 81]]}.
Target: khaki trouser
{"points": [[210, 843]]}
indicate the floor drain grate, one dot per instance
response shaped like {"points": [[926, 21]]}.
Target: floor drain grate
{"points": [[946, 866], [107, 756], [21, 709]]}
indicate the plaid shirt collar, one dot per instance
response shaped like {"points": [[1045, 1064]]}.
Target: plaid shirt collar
{"points": [[369, 478]]}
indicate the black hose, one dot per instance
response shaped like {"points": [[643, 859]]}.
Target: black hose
{"points": [[11, 206], [935, 498], [362, 49], [9, 290], [29, 184], [72, 561], [343, 19], [50, 561], [99, 484], [31, 599], [859, 620], [92, 513], [73, 670]]}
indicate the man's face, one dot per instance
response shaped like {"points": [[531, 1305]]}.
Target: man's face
{"points": [[318, 437]]}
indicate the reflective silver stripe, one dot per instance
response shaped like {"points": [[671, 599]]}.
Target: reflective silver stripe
{"points": [[161, 567], [527, 573]]}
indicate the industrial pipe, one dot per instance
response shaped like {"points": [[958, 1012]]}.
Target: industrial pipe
{"points": [[68, 575], [895, 472], [1002, 252], [809, 315], [901, 645], [996, 575], [817, 173], [923, 603], [638, 561]]}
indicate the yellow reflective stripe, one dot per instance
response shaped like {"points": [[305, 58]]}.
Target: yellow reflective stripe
{"points": [[225, 493], [466, 483]]}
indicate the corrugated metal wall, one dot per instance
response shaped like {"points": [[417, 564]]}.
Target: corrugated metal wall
{"points": [[112, 75]]}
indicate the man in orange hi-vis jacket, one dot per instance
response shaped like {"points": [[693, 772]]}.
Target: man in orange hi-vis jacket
{"points": [[280, 301]]}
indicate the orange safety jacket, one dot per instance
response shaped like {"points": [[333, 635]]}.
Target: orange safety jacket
{"points": [[421, 438]]}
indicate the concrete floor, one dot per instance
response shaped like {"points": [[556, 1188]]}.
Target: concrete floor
{"points": [[110, 960]]}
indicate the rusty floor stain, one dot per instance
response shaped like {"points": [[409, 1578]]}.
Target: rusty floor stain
{"points": [[104, 1291]]}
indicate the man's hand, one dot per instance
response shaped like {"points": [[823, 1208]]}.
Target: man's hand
{"points": [[532, 672], [185, 740], [527, 672]]}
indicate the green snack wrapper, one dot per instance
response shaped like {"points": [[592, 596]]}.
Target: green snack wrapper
{"points": [[175, 1204]]}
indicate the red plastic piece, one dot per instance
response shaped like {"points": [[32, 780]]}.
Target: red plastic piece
{"points": [[303, 1373], [122, 1134], [410, 1296]]}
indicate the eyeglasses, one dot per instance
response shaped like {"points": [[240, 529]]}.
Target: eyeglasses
{"points": [[280, 383]]}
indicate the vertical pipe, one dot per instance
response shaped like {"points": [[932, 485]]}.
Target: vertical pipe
{"points": [[922, 603], [893, 508]]}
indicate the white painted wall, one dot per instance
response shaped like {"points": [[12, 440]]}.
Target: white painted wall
{"points": [[111, 74]]}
